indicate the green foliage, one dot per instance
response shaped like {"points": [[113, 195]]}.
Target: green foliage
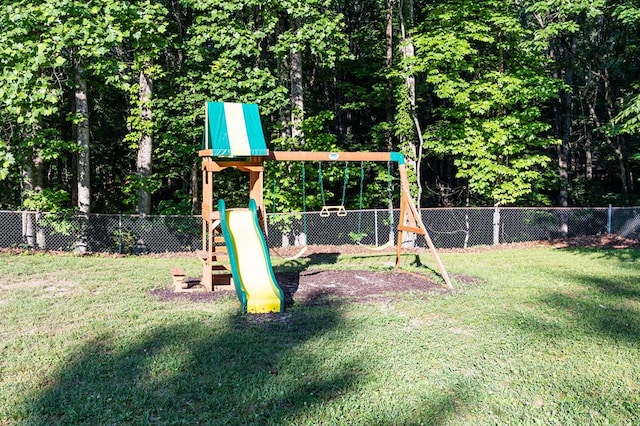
{"points": [[490, 93], [6, 160], [59, 216], [179, 206], [134, 182], [484, 72], [47, 200], [629, 117]]}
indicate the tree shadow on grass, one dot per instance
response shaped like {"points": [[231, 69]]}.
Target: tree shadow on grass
{"points": [[630, 256], [603, 310], [571, 328], [309, 261], [248, 369], [612, 321], [614, 287]]}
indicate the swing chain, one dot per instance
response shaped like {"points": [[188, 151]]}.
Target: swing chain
{"points": [[326, 210]]}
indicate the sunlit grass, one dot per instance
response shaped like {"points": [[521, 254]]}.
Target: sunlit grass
{"points": [[539, 336]]}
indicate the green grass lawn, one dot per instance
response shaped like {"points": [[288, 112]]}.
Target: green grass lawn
{"points": [[545, 336]]}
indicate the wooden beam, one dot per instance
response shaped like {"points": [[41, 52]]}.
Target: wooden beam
{"points": [[327, 156], [244, 166], [310, 156], [313, 156]]}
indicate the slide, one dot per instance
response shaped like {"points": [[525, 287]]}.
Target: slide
{"points": [[251, 268]]}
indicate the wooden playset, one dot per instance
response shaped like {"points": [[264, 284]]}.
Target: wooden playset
{"points": [[234, 139]]}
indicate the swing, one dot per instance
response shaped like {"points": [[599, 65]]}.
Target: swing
{"points": [[304, 216], [326, 210], [389, 243]]}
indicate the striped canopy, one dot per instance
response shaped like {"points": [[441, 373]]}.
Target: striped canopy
{"points": [[233, 130]]}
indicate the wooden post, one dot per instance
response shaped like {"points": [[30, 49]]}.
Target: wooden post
{"points": [[207, 232], [411, 221], [178, 279], [256, 190]]}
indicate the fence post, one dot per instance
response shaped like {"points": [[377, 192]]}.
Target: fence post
{"points": [[496, 225], [609, 213], [375, 219], [120, 233]]}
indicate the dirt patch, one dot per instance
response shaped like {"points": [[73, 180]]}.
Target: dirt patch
{"points": [[321, 287], [607, 241], [197, 295]]}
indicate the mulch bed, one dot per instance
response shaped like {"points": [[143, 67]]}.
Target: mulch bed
{"points": [[319, 287]]}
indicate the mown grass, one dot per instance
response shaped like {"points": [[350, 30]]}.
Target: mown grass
{"points": [[544, 336]]}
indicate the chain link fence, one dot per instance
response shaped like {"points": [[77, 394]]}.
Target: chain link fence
{"points": [[448, 228]]}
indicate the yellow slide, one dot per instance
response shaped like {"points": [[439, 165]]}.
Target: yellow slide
{"points": [[251, 268]]}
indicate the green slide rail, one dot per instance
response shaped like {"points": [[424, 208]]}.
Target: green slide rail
{"points": [[253, 277]]}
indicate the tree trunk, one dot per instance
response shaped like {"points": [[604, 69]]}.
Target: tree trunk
{"points": [[566, 105], [297, 111], [84, 166], [296, 97], [389, 65], [32, 183], [28, 223], [407, 50], [626, 178], [195, 172], [145, 144], [566, 101]]}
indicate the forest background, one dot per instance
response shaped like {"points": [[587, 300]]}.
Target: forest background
{"points": [[496, 102]]}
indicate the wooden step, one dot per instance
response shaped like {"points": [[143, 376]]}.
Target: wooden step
{"points": [[411, 229]]}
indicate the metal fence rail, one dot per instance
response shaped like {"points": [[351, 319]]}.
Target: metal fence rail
{"points": [[448, 227]]}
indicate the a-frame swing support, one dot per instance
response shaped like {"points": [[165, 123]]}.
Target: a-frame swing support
{"points": [[410, 219]]}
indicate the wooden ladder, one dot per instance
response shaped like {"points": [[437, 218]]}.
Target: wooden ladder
{"points": [[216, 269]]}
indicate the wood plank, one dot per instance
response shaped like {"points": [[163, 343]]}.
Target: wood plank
{"points": [[311, 156], [245, 166], [328, 156], [420, 231]]}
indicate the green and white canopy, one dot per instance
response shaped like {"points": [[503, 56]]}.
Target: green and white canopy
{"points": [[233, 130]]}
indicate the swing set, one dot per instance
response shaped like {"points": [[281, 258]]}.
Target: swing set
{"points": [[340, 209], [234, 139]]}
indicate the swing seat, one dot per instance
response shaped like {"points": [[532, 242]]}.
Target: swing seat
{"points": [[385, 246], [326, 211]]}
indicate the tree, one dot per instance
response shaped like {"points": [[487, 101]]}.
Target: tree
{"points": [[29, 70], [488, 92], [143, 44], [591, 47], [488, 87]]}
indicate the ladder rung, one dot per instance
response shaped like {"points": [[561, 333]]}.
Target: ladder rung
{"points": [[411, 229]]}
